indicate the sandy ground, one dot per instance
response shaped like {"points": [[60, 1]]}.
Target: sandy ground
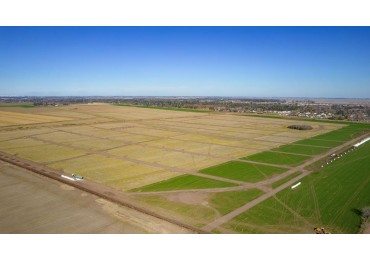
{"points": [[30, 203]]}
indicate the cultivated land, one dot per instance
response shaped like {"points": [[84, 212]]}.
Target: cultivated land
{"points": [[30, 203], [193, 168], [331, 197]]}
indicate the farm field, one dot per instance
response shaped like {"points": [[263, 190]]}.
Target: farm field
{"points": [[198, 208], [33, 204], [243, 171], [277, 158], [299, 149], [185, 182], [14, 118], [331, 197], [194, 167], [129, 147]]}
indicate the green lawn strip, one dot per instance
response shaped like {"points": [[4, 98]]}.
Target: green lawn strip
{"points": [[333, 195], [197, 215], [336, 137], [226, 202], [167, 108], [343, 134], [315, 142], [325, 159], [242, 171], [184, 182], [277, 158], [301, 149], [284, 180], [268, 217]]}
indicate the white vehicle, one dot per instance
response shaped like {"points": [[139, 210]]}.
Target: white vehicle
{"points": [[78, 177]]}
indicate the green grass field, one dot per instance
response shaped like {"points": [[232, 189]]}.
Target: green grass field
{"points": [[184, 182], [226, 202], [316, 142], [197, 215], [286, 179], [343, 134], [277, 158], [331, 197], [268, 217], [242, 171], [301, 149], [336, 137]]}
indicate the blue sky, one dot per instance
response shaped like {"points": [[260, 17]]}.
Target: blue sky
{"points": [[186, 61]]}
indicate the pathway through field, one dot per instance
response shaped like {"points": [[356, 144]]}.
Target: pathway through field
{"points": [[218, 222]]}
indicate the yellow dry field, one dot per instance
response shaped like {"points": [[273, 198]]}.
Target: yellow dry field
{"points": [[78, 141], [168, 158], [20, 133], [122, 175], [38, 151], [13, 118], [128, 147]]}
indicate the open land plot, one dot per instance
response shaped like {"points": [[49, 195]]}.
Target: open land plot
{"points": [[195, 214], [87, 130], [132, 138], [91, 131], [319, 142], [14, 118], [201, 207], [78, 141], [119, 174], [165, 157], [30, 203], [151, 132], [130, 148], [243, 171], [225, 202], [343, 134], [46, 153], [19, 143], [299, 149], [336, 137], [132, 113], [278, 139], [268, 217], [277, 158], [22, 132], [201, 148], [185, 182], [38, 151], [103, 127], [331, 197]]}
